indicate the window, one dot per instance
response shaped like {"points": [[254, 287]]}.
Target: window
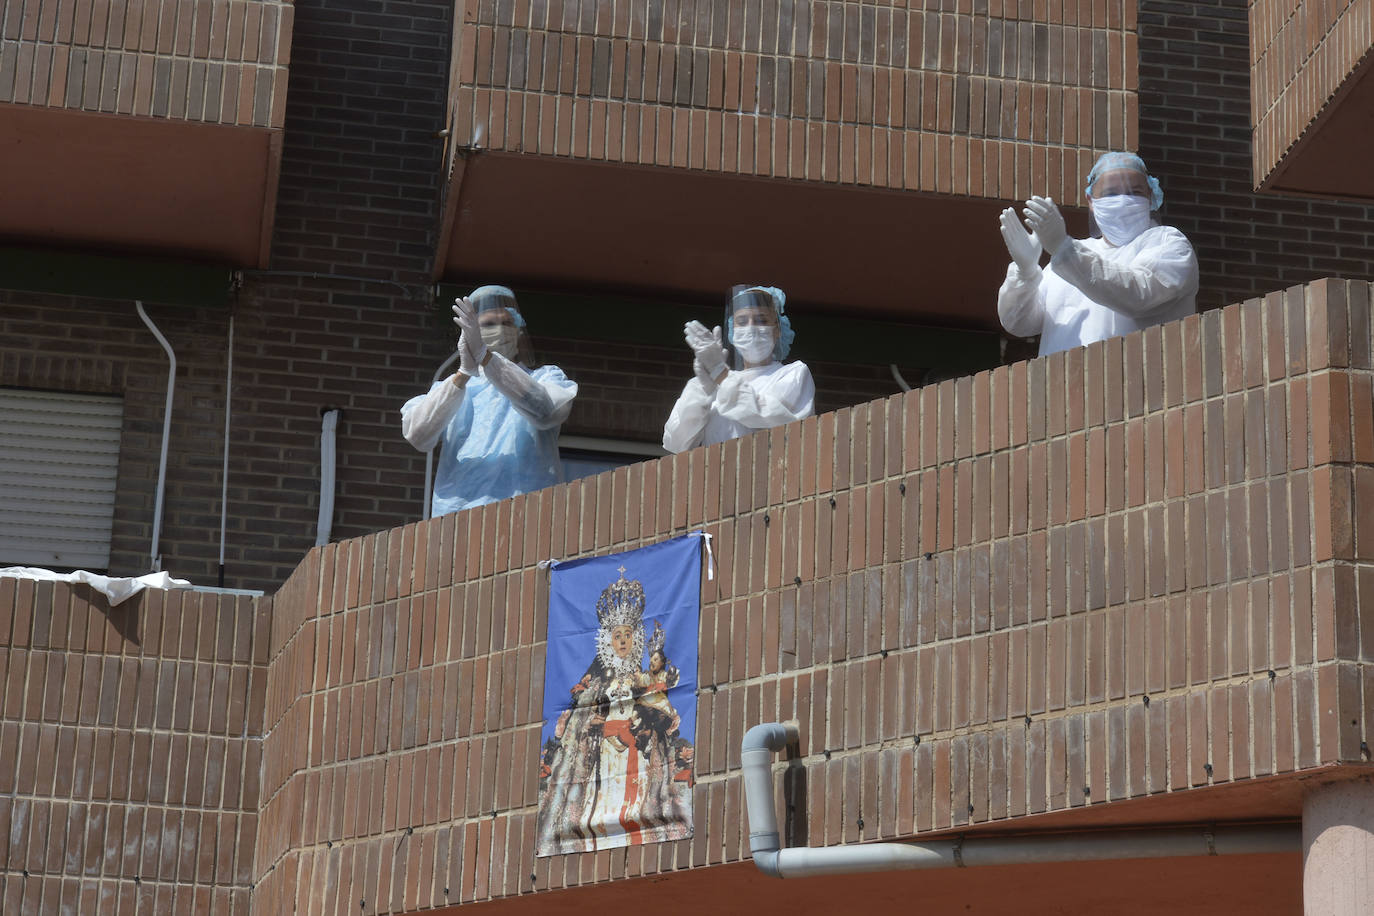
{"points": [[585, 456], [58, 459]]}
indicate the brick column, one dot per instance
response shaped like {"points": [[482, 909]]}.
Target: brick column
{"points": [[1338, 849]]}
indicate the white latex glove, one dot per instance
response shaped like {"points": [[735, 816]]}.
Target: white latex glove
{"points": [[465, 316], [467, 362], [704, 377], [708, 347], [1044, 219], [1023, 246]]}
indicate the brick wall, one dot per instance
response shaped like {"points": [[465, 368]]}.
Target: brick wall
{"points": [[990, 100], [98, 347], [132, 746], [1131, 569], [1300, 54], [216, 61], [300, 348], [1195, 133]]}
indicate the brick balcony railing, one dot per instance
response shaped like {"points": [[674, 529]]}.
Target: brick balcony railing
{"points": [[212, 61], [820, 90], [1127, 572]]}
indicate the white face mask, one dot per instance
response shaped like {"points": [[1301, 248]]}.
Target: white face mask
{"points": [[1121, 217], [754, 343], [501, 338]]}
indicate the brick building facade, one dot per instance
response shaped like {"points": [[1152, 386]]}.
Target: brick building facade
{"points": [[953, 666], [362, 177], [981, 601]]}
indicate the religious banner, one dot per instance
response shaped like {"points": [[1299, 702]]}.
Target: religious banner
{"points": [[620, 699]]}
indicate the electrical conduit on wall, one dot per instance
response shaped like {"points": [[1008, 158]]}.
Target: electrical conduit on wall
{"points": [[427, 510]]}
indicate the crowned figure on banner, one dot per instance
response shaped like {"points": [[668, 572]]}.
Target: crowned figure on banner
{"points": [[617, 771]]}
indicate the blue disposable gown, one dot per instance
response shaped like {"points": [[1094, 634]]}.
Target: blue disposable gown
{"points": [[1091, 291], [499, 432]]}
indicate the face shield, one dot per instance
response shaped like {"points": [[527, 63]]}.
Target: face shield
{"points": [[757, 331], [502, 325]]}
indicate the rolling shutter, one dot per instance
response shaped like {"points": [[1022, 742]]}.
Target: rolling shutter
{"points": [[59, 454]]}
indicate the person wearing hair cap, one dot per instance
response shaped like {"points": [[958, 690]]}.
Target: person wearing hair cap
{"points": [[1132, 274], [743, 386], [497, 417]]}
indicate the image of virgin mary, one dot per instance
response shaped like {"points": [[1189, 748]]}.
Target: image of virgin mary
{"points": [[616, 771]]}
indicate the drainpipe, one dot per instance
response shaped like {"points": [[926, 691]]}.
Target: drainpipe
{"points": [[329, 424], [762, 741], [426, 511], [224, 472], [156, 559]]}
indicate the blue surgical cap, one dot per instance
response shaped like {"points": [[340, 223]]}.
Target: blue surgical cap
{"points": [[485, 298], [1110, 162], [785, 333]]}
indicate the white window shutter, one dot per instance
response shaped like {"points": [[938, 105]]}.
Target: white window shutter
{"points": [[59, 456]]}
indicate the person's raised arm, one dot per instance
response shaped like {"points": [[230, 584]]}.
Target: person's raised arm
{"points": [[692, 411], [545, 402], [1020, 302], [1164, 270], [424, 418], [791, 395]]}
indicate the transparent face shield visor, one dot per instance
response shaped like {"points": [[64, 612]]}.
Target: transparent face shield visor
{"points": [[751, 316], [503, 328]]}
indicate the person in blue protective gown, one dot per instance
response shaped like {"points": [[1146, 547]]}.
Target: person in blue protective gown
{"points": [[1134, 272], [744, 388], [497, 417]]}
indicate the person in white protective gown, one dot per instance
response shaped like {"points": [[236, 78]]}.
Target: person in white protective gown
{"points": [[745, 386], [497, 418], [1138, 273]]}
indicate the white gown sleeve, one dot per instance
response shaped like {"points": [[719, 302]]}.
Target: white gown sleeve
{"points": [[790, 395], [1163, 270], [1021, 302], [424, 418], [545, 402], [689, 417]]}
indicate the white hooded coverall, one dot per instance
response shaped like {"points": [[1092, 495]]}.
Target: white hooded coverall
{"points": [[746, 401], [1091, 291]]}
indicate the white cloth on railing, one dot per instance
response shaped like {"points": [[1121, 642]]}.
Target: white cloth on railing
{"points": [[116, 588]]}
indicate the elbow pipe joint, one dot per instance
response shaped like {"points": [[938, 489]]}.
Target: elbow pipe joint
{"points": [[756, 761], [770, 736]]}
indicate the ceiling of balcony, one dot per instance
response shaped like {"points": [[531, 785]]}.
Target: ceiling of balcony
{"points": [[137, 185], [542, 221]]}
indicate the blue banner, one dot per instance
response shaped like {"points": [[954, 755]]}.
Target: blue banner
{"points": [[620, 699]]}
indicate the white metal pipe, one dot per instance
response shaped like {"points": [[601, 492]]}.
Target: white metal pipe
{"points": [[426, 509], [329, 425], [224, 473], [156, 558], [897, 377], [762, 741]]}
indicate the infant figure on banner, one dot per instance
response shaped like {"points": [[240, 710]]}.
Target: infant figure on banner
{"points": [[617, 771]]}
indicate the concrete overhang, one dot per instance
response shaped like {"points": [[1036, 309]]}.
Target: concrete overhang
{"points": [[116, 184], [558, 223], [1331, 157]]}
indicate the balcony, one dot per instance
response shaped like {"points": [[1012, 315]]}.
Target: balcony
{"points": [[1311, 95], [756, 140], [144, 128], [1118, 586]]}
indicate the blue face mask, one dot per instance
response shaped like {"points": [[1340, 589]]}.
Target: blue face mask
{"points": [[1121, 217]]}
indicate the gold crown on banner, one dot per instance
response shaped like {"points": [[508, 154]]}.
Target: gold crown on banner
{"points": [[621, 603]]}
